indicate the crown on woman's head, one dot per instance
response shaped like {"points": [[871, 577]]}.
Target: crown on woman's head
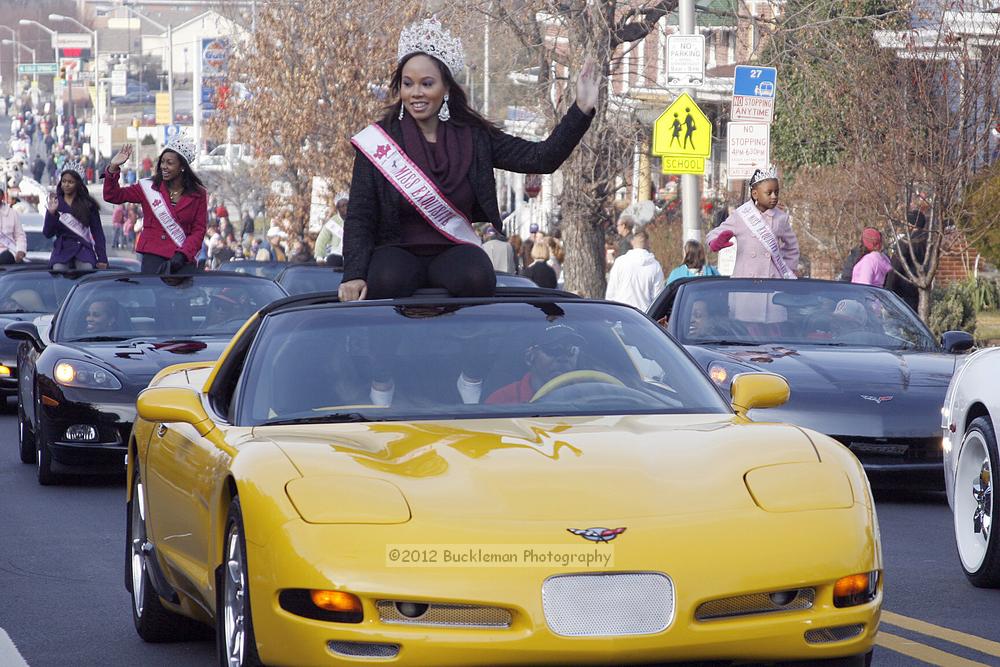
{"points": [[74, 166], [429, 37], [763, 175], [183, 146]]}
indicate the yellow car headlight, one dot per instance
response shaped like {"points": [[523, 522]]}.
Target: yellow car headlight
{"points": [[799, 487], [347, 499]]}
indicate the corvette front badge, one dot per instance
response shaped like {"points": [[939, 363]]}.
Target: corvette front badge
{"points": [[597, 534], [876, 399]]}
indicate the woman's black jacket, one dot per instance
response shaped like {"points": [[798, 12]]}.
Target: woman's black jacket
{"points": [[373, 213]]}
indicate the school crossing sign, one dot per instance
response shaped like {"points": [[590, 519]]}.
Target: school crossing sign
{"points": [[682, 137]]}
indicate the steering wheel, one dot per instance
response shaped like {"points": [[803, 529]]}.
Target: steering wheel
{"points": [[573, 377]]}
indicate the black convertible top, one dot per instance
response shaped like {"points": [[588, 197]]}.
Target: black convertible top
{"points": [[422, 296]]}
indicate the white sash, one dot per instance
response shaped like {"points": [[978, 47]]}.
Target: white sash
{"points": [[77, 227], [759, 229], [413, 184], [162, 212]]}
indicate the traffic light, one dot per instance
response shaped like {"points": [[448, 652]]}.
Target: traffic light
{"points": [[62, 72]]}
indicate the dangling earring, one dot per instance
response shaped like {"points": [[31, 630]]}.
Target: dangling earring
{"points": [[400, 111], [443, 113]]}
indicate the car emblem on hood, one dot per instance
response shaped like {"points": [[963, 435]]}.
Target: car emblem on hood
{"points": [[877, 399], [597, 534]]}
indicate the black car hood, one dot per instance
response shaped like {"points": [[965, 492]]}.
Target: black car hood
{"points": [[859, 391], [140, 360]]}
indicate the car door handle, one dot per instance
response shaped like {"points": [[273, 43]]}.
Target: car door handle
{"points": [[161, 430]]}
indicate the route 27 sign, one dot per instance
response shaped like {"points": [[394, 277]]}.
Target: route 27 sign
{"points": [[753, 94]]}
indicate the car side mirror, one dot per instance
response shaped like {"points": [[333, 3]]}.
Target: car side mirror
{"points": [[758, 390], [957, 341], [173, 404], [25, 331]]}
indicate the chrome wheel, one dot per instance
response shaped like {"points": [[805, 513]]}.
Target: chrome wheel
{"points": [[973, 501], [138, 538], [234, 599]]}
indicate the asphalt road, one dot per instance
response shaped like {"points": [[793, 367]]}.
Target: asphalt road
{"points": [[63, 602]]}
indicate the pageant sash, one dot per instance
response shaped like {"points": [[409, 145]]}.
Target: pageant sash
{"points": [[162, 212], [751, 216], [413, 184], [77, 227]]}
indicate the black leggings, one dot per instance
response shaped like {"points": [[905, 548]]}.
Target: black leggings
{"points": [[463, 270], [155, 264]]}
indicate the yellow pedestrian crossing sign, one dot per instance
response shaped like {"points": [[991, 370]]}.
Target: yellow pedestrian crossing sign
{"points": [[683, 130]]}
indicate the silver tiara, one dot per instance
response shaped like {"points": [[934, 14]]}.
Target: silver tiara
{"points": [[429, 37], [183, 146], [763, 175], [74, 166]]}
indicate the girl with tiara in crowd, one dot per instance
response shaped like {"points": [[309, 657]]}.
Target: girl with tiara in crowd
{"points": [[766, 246], [74, 218], [424, 173], [174, 207]]}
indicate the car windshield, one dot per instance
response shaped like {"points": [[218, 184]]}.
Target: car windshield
{"points": [[306, 280], [788, 312], [378, 363], [269, 270], [161, 307], [36, 242], [32, 292]]}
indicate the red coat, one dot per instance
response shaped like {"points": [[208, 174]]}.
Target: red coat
{"points": [[191, 213]]}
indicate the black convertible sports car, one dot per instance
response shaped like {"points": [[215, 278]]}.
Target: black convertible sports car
{"points": [[77, 387], [861, 365], [27, 291]]}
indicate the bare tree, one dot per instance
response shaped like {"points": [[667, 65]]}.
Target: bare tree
{"points": [[903, 115], [314, 73]]}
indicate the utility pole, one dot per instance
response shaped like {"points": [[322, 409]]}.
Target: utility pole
{"points": [[486, 65], [689, 182]]}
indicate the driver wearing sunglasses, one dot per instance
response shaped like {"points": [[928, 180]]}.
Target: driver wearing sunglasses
{"points": [[556, 352]]}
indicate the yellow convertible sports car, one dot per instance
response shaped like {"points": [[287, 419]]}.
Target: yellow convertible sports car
{"points": [[530, 478]]}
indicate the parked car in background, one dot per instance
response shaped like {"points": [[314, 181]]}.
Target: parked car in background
{"points": [[224, 157]]}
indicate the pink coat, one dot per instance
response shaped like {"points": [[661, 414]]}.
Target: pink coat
{"points": [[752, 259]]}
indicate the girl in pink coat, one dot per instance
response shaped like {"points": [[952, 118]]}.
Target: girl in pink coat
{"points": [[766, 246]]}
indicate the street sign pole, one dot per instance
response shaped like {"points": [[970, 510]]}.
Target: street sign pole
{"points": [[689, 182]]}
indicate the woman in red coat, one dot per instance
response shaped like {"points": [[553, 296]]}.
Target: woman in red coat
{"points": [[174, 207]]}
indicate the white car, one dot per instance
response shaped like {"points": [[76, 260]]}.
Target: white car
{"points": [[224, 157], [972, 464]]}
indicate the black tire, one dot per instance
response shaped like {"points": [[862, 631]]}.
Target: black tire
{"points": [[44, 457], [987, 573], [153, 622], [25, 436], [234, 544]]}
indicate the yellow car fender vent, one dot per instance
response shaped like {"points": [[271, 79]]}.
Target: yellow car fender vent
{"points": [[799, 487], [346, 499]]}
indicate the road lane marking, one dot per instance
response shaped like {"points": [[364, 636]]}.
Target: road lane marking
{"points": [[928, 654], [9, 655], [954, 636]]}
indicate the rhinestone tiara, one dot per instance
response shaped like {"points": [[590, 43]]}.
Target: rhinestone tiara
{"points": [[429, 37], [763, 175], [74, 166], [181, 145]]}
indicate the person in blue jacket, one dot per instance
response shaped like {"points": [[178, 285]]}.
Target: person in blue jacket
{"points": [[74, 218], [694, 264]]}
